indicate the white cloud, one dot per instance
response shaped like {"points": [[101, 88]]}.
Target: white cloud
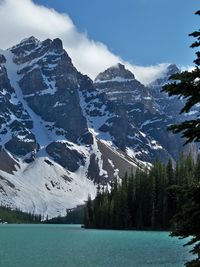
{"points": [[23, 18]]}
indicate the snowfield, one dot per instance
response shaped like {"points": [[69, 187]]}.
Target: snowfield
{"points": [[44, 187]]}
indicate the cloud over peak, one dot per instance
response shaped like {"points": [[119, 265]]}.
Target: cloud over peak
{"points": [[23, 18]]}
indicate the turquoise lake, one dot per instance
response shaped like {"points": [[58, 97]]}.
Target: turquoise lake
{"points": [[72, 246]]}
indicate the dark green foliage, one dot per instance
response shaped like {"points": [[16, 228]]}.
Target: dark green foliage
{"points": [[74, 216], [187, 221], [146, 200], [187, 85], [17, 216]]}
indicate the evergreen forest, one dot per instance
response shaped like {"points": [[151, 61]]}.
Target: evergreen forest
{"points": [[145, 200], [8, 215]]}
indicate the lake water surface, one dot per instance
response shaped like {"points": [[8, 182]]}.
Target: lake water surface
{"points": [[72, 246]]}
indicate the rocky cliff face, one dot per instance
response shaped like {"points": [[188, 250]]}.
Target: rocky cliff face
{"points": [[168, 106], [61, 134], [141, 117]]}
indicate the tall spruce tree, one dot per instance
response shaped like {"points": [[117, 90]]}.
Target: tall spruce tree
{"points": [[171, 198], [187, 221], [187, 86]]}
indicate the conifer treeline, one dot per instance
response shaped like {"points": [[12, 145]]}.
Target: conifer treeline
{"points": [[144, 200], [17, 216]]}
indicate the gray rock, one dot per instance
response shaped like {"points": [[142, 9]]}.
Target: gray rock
{"points": [[67, 158]]}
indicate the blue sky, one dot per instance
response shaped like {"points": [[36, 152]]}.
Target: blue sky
{"points": [[143, 32], [144, 35]]}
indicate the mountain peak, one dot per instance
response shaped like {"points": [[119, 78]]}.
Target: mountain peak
{"points": [[26, 44], [172, 69], [29, 40], [119, 66], [117, 72], [57, 44]]}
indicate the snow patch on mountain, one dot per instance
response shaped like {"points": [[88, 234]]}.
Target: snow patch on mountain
{"points": [[44, 187], [39, 131], [115, 79]]}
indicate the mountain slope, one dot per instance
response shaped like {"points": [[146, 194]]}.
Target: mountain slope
{"points": [[61, 133], [140, 121], [50, 157]]}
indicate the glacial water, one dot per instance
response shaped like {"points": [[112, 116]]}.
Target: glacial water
{"points": [[72, 246]]}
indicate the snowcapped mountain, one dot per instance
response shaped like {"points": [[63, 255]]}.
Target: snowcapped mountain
{"points": [[61, 133]]}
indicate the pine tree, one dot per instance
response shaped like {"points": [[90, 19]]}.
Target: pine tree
{"points": [[187, 221], [197, 170], [158, 177], [89, 219], [187, 85], [171, 199], [131, 198]]}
